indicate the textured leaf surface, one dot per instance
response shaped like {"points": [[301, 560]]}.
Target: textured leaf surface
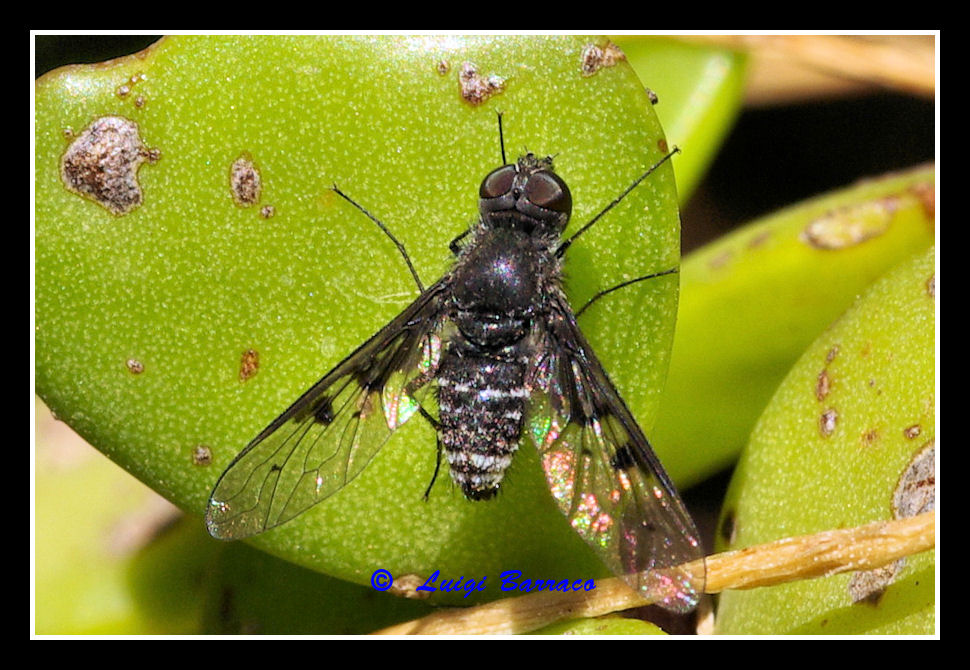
{"points": [[171, 334], [849, 438]]}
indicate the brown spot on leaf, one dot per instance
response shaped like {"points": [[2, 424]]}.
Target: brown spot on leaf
{"points": [[851, 225], [201, 455], [595, 58], [267, 211], [651, 96], [124, 90], [759, 239], [244, 181], [249, 365], [912, 432], [827, 421], [443, 67], [476, 89], [102, 164], [720, 260], [869, 586], [916, 490], [931, 286], [822, 385], [406, 586], [915, 493], [135, 366], [662, 145], [869, 437], [832, 353]]}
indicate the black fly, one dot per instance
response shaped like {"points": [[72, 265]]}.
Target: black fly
{"points": [[491, 355]]}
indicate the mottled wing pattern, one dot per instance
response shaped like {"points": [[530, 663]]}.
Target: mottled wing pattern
{"points": [[603, 474], [326, 437]]}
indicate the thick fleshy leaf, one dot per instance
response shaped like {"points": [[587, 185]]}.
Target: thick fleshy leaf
{"points": [[180, 308], [849, 438], [753, 300]]}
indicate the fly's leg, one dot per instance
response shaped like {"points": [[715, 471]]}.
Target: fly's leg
{"points": [[624, 284], [399, 245], [437, 464]]}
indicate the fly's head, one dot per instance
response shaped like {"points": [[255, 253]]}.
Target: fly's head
{"points": [[528, 196]]}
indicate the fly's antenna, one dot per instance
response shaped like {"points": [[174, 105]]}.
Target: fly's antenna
{"points": [[565, 245], [501, 138]]}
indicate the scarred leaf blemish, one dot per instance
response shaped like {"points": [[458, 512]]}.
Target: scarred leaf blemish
{"points": [[720, 260], [915, 493], [201, 455], [102, 164], [595, 58], [827, 421], [125, 89], [912, 432], [916, 490], [822, 385], [245, 181], [248, 365], [851, 225], [476, 89], [869, 586], [759, 239]]}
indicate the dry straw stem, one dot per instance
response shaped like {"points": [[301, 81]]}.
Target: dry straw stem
{"points": [[805, 557], [787, 68]]}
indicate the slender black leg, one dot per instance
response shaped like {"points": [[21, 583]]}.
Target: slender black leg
{"points": [[623, 284], [437, 465], [400, 247], [565, 245]]}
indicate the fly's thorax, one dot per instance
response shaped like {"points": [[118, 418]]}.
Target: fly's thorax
{"points": [[502, 271]]}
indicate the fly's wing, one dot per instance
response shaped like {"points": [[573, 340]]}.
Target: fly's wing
{"points": [[603, 474], [326, 437]]}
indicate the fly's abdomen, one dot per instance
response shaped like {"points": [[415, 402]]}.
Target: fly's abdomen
{"points": [[481, 403]]}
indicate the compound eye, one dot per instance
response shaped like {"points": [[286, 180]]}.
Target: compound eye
{"points": [[498, 182], [548, 191]]}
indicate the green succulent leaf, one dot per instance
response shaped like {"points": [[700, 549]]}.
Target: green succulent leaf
{"points": [[195, 273], [699, 91], [752, 301], [849, 438]]}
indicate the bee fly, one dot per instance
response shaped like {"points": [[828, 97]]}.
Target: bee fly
{"points": [[491, 355]]}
